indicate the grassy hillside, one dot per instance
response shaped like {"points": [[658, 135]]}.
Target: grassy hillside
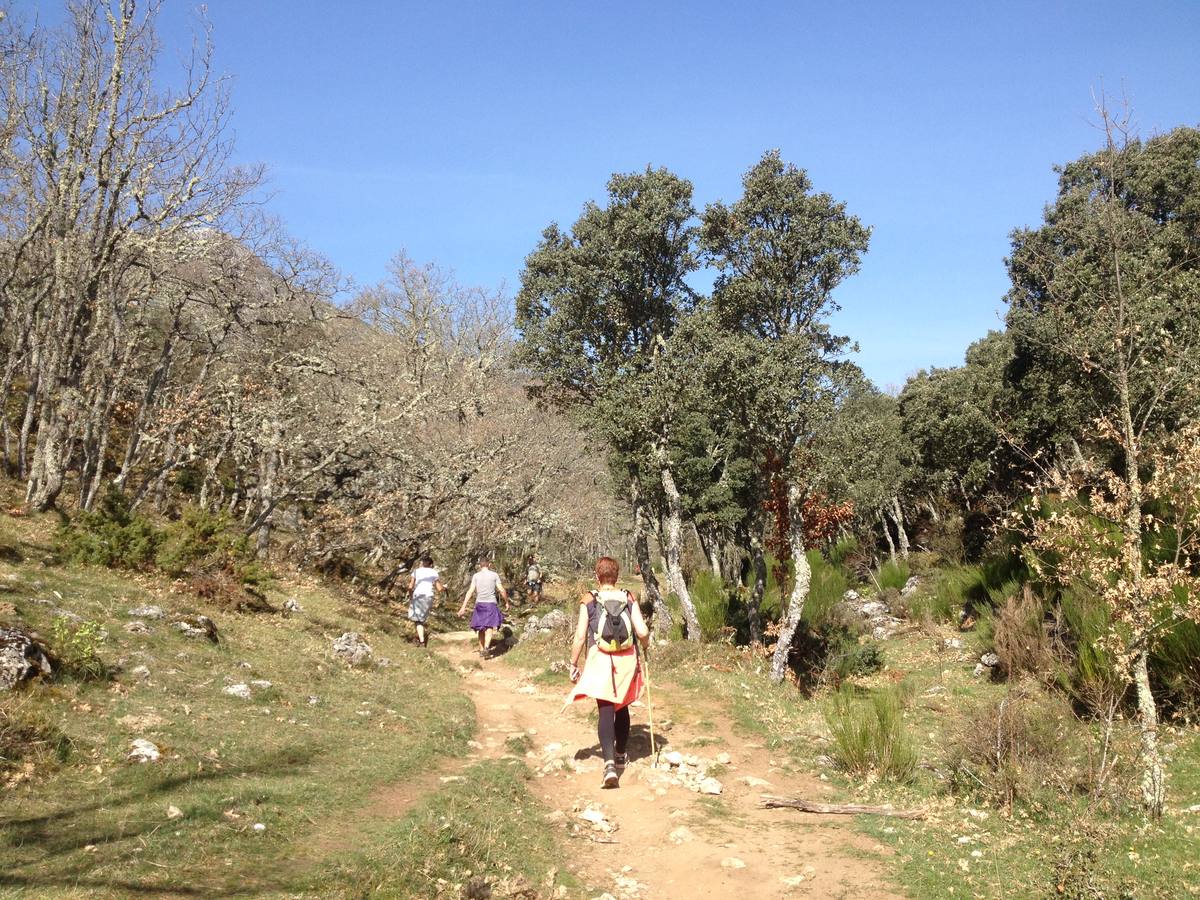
{"points": [[247, 792]]}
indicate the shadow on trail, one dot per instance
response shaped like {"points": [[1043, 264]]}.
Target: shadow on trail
{"points": [[8, 879], [638, 747]]}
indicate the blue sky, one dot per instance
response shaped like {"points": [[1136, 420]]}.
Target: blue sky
{"points": [[459, 130]]}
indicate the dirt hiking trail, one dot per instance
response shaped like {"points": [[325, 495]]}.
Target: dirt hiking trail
{"points": [[654, 836]]}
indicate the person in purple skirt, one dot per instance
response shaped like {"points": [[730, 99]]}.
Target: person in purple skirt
{"points": [[487, 590]]}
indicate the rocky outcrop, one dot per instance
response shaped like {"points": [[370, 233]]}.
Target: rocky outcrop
{"points": [[352, 648], [146, 612], [197, 627], [21, 658], [878, 617], [552, 620]]}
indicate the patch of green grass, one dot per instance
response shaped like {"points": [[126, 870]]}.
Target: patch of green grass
{"points": [[712, 808], [892, 575], [870, 736], [539, 651], [487, 830], [829, 584], [29, 741], [711, 599], [951, 588], [518, 744]]}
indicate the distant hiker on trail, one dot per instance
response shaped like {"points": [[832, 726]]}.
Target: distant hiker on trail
{"points": [[533, 578], [423, 584], [485, 586], [610, 624]]}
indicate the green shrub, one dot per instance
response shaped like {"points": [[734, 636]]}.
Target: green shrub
{"points": [[199, 537], [892, 575], [1001, 577], [77, 647], [218, 556], [711, 599], [829, 584], [950, 589], [1175, 664], [845, 656], [112, 535], [869, 736], [845, 549], [925, 563]]}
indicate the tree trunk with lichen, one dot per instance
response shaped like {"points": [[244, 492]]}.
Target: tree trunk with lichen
{"points": [[674, 544], [662, 620], [901, 534], [800, 587]]}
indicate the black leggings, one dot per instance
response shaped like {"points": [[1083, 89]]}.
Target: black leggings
{"points": [[614, 728]]}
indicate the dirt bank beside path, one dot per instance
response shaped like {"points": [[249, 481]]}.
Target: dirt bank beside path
{"points": [[667, 841]]}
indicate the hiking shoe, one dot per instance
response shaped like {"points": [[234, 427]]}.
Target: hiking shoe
{"points": [[610, 777], [621, 760]]}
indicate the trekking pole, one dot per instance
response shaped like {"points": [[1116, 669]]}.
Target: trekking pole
{"points": [[650, 707]]}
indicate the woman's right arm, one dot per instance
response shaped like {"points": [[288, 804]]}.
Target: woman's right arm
{"points": [[580, 638]]}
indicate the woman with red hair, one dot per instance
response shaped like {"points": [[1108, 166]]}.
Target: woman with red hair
{"points": [[610, 626]]}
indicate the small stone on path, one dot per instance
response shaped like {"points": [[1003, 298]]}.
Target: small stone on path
{"points": [[732, 862], [597, 819]]}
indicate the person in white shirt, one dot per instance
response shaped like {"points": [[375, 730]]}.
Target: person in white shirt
{"points": [[423, 584]]}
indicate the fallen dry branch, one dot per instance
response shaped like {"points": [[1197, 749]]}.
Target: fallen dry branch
{"points": [[847, 809]]}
